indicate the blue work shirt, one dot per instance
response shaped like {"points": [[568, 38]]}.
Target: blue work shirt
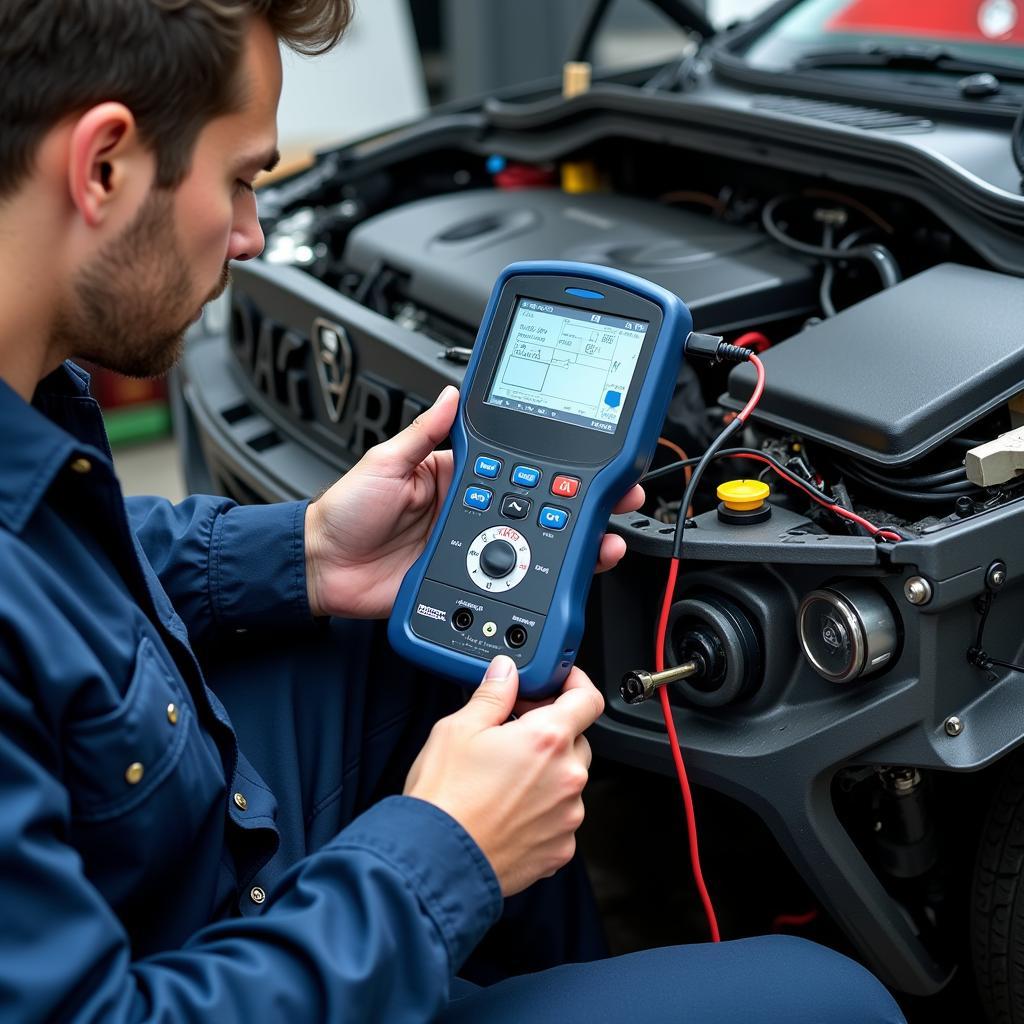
{"points": [[126, 864]]}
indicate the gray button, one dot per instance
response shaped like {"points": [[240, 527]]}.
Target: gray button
{"points": [[514, 506]]}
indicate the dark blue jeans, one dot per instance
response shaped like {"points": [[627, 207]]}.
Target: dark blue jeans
{"points": [[332, 719]]}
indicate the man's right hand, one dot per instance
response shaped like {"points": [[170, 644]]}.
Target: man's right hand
{"points": [[516, 787]]}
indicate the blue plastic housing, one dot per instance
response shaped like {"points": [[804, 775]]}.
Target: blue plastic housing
{"points": [[546, 670]]}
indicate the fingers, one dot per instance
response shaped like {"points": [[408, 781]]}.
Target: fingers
{"points": [[611, 552], [408, 448], [630, 501], [579, 705], [613, 547], [581, 748], [491, 702]]}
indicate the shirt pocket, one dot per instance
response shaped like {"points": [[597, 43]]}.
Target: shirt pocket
{"points": [[146, 786], [117, 760]]}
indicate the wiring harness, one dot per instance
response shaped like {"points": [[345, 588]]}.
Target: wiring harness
{"points": [[716, 350]]}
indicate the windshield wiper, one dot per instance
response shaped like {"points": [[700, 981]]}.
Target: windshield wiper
{"points": [[907, 58]]}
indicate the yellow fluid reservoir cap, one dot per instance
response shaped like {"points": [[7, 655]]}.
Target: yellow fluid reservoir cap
{"points": [[743, 495]]}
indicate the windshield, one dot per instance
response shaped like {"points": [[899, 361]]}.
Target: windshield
{"points": [[986, 31]]}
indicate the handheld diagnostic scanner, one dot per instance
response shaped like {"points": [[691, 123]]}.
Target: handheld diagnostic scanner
{"points": [[563, 400]]}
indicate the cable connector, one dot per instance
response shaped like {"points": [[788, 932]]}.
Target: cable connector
{"points": [[978, 658], [713, 348]]}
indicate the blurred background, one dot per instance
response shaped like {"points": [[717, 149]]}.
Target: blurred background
{"points": [[401, 58]]}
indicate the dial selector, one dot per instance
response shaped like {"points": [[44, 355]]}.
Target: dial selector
{"points": [[498, 559]]}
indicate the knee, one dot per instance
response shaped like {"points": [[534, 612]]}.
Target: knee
{"points": [[834, 987]]}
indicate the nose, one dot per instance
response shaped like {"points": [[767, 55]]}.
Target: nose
{"points": [[246, 241]]}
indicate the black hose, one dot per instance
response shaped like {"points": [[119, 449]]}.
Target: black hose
{"points": [[926, 481], [899, 493], [877, 255]]}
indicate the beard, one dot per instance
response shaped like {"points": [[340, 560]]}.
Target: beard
{"points": [[129, 309]]}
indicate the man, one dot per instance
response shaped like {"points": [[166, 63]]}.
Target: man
{"points": [[146, 869]]}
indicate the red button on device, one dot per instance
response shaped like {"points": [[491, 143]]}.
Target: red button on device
{"points": [[565, 486]]}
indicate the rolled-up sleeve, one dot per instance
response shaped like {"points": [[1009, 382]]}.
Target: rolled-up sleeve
{"points": [[225, 565]]}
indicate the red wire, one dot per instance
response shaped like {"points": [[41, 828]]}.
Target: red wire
{"points": [[677, 756], [666, 707], [659, 652], [758, 389], [844, 513]]}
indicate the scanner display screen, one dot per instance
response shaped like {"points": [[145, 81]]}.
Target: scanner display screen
{"points": [[567, 364]]}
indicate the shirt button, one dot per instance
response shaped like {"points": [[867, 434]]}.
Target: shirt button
{"points": [[241, 803], [256, 894], [81, 465], [172, 714], [134, 772]]}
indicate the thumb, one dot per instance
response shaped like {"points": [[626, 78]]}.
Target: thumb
{"points": [[408, 448], [493, 699]]}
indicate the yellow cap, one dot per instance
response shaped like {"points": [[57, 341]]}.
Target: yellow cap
{"points": [[743, 495]]}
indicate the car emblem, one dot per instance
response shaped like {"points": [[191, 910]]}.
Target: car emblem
{"points": [[333, 355]]}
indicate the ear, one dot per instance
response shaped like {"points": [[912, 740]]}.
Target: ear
{"points": [[107, 162]]}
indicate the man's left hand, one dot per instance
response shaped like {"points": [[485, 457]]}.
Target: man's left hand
{"points": [[364, 533]]}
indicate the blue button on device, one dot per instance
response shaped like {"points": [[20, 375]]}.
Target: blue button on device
{"points": [[486, 466], [478, 497], [552, 518], [526, 476]]}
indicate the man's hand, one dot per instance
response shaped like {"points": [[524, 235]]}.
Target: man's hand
{"points": [[514, 786], [364, 533]]}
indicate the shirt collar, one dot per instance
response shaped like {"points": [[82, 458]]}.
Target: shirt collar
{"points": [[40, 439]]}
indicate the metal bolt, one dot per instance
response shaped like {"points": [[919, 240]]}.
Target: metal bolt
{"points": [[903, 780], [953, 726], [917, 590], [995, 576], [640, 685]]}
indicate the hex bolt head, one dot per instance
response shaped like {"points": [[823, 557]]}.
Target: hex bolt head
{"points": [[953, 726], [917, 590], [995, 577]]}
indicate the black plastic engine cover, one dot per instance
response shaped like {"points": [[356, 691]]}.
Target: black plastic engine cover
{"points": [[893, 376], [453, 247]]}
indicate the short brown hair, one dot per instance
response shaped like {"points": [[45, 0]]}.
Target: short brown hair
{"points": [[173, 63]]}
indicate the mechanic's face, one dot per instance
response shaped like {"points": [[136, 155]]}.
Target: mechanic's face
{"points": [[133, 302]]}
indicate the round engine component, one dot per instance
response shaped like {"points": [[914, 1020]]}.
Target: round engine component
{"points": [[847, 630], [712, 629]]}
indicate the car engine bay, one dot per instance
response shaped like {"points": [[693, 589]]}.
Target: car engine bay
{"points": [[861, 638]]}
